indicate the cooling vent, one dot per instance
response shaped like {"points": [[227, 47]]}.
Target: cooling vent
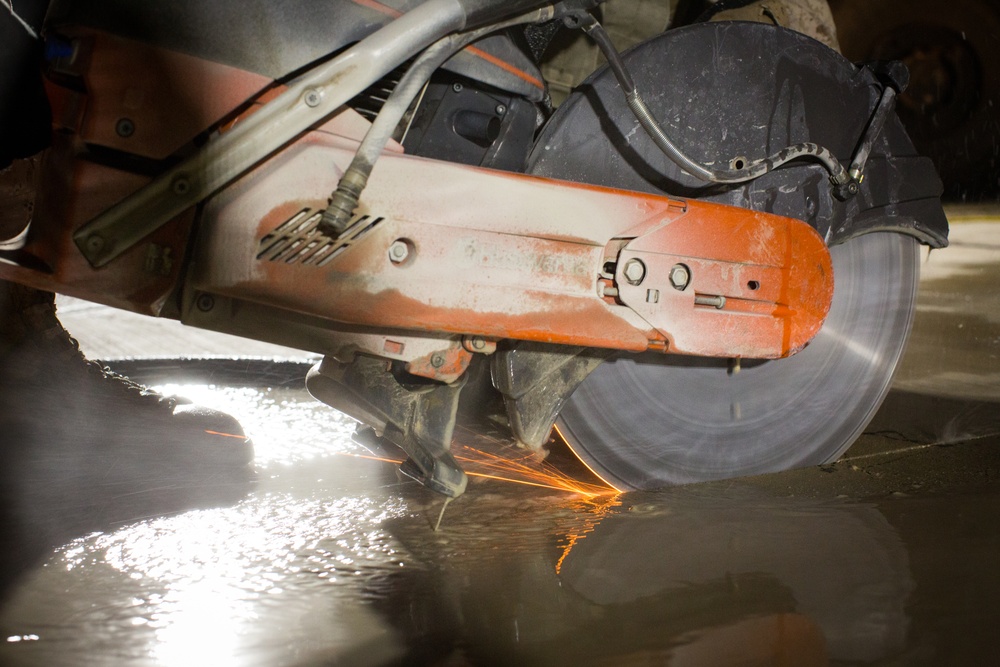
{"points": [[299, 241], [369, 102]]}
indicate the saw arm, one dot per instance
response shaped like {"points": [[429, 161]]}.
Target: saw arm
{"points": [[482, 254], [426, 277]]}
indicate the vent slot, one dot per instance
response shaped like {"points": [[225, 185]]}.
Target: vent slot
{"points": [[369, 102], [299, 241]]}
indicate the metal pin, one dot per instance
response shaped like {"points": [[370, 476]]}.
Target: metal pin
{"points": [[441, 515], [713, 301]]}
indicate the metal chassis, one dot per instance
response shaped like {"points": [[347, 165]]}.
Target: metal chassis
{"points": [[570, 252]]}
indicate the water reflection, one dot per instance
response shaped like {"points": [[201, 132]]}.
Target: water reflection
{"points": [[675, 578], [329, 559], [839, 567]]}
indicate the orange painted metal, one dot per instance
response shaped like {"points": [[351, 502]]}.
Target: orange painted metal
{"points": [[510, 256], [137, 101], [489, 254], [73, 191], [163, 97], [770, 279]]}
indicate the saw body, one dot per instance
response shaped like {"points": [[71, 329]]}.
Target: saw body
{"points": [[198, 188]]}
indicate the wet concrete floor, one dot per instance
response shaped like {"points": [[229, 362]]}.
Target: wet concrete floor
{"points": [[887, 557]]}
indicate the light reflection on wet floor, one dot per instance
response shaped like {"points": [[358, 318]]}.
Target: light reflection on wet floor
{"points": [[328, 558]]}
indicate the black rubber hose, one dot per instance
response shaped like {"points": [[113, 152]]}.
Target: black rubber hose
{"points": [[748, 172]]}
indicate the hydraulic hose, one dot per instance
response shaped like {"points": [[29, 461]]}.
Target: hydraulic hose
{"points": [[340, 210], [748, 172]]}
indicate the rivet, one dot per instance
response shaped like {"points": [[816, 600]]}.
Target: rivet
{"points": [[181, 185], [124, 128], [205, 302]]}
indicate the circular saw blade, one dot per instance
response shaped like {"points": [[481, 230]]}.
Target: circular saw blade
{"points": [[652, 420]]}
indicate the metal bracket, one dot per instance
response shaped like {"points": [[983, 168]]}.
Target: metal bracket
{"points": [[307, 101], [420, 419], [536, 380]]}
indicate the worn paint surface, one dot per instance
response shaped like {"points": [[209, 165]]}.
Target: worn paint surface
{"points": [[509, 256]]}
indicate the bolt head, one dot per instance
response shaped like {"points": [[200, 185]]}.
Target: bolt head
{"points": [[205, 302], [634, 271], [398, 252], [501, 109], [124, 128], [313, 97], [95, 243], [181, 186], [680, 276], [437, 360]]}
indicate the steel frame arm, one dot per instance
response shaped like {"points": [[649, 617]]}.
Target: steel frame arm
{"points": [[452, 250], [310, 99]]}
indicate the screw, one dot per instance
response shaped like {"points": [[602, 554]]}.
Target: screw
{"points": [[95, 243], [634, 271], [124, 128], [478, 343], [181, 185], [437, 360], [680, 276], [205, 302], [398, 252], [501, 109], [313, 97], [457, 87]]}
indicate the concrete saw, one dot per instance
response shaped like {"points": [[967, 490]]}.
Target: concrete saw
{"points": [[737, 89]]}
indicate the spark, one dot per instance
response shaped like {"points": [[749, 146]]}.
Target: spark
{"points": [[447, 500], [226, 435], [9, 6], [581, 460], [525, 469], [590, 522]]}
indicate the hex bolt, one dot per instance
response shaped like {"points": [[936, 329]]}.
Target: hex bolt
{"points": [[680, 277], [478, 345], [437, 360], [124, 128], [399, 251], [313, 97], [634, 271], [205, 302]]}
